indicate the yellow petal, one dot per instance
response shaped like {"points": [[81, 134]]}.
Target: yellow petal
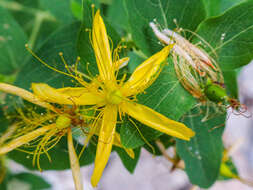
{"points": [[76, 91], [25, 139], [101, 48], [121, 63], [157, 121], [226, 171], [71, 96], [146, 73], [105, 141], [74, 163], [117, 142], [24, 94]]}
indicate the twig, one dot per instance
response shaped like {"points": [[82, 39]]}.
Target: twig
{"points": [[164, 153]]}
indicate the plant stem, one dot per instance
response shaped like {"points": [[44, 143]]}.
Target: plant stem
{"points": [[37, 23], [175, 163]]}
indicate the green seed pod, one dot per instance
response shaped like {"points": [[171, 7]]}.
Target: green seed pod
{"points": [[62, 122], [215, 93]]}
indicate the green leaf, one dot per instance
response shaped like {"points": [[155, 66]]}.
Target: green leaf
{"points": [[7, 78], [236, 27], [134, 61], [117, 15], [105, 1], [216, 7], [3, 184], [84, 46], [26, 180], [63, 40], [127, 161], [76, 9], [12, 43], [37, 23], [59, 157], [230, 78], [137, 134], [35, 182], [188, 13], [60, 9], [203, 153]]}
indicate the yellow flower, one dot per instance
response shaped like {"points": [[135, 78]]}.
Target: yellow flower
{"points": [[45, 130], [30, 129], [114, 97]]}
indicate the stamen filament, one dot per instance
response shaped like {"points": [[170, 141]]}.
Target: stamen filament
{"points": [[25, 139]]}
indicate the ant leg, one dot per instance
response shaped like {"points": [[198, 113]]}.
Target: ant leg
{"points": [[200, 111], [74, 107], [205, 118]]}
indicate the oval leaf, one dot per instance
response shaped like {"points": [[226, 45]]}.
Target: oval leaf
{"points": [[202, 155], [231, 35], [12, 44]]}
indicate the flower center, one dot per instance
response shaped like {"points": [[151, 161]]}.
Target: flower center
{"points": [[114, 97], [62, 122]]}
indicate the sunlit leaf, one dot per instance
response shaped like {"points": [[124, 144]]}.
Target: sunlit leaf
{"points": [[128, 162], [217, 7], [202, 154], [231, 35], [187, 14]]}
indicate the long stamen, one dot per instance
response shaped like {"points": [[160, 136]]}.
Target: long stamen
{"points": [[92, 131], [57, 70], [65, 64], [93, 10], [44, 63], [75, 70], [25, 139], [140, 133], [40, 147]]}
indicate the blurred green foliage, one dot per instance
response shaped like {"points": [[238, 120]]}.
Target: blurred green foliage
{"points": [[53, 26]]}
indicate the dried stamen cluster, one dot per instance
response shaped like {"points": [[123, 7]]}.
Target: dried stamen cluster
{"points": [[192, 64]]}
